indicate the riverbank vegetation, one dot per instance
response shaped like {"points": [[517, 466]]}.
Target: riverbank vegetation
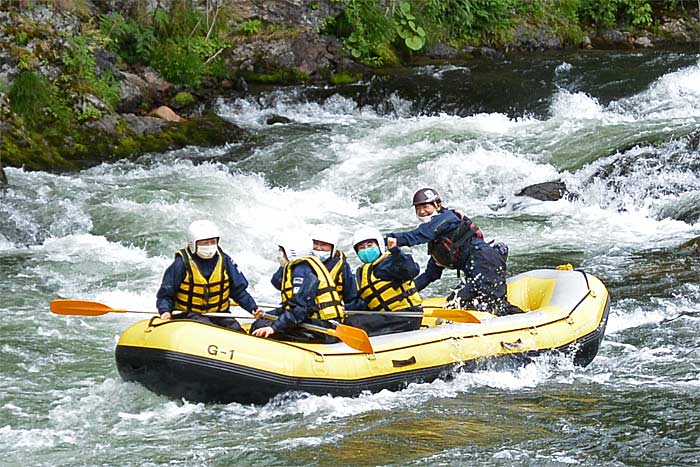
{"points": [[73, 63]]}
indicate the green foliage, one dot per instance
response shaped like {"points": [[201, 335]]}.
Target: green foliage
{"points": [[459, 20], [369, 30], [81, 76], [183, 99], [413, 35], [30, 97], [133, 41], [607, 12], [183, 44], [251, 27], [345, 77], [178, 62]]}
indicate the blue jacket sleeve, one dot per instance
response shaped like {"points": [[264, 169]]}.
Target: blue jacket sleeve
{"points": [[239, 284], [276, 280], [432, 273], [399, 267], [172, 278], [443, 222], [351, 297], [303, 301]]}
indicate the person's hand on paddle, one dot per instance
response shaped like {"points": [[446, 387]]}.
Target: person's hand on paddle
{"points": [[165, 316], [391, 242], [257, 313], [267, 331]]}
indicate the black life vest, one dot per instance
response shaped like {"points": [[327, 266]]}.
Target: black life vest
{"points": [[448, 249]]}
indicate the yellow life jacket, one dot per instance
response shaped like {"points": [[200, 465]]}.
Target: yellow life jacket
{"points": [[381, 295], [336, 273], [198, 294], [330, 305]]}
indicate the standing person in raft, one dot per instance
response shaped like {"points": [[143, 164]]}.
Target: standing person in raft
{"points": [[385, 283], [202, 279], [325, 248], [309, 295], [455, 242]]}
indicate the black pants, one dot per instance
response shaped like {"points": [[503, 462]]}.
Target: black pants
{"points": [[298, 334], [383, 323], [467, 299], [228, 323]]}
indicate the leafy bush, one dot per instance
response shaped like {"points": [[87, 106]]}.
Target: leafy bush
{"points": [[30, 96], [606, 12], [251, 27], [412, 34], [183, 44], [369, 29]]}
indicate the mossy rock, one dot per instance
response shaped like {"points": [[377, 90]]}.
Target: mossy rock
{"points": [[86, 146]]}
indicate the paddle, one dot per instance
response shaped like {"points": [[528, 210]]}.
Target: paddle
{"points": [[353, 337], [458, 316], [87, 308]]}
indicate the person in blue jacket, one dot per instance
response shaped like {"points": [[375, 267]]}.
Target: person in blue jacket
{"points": [[308, 293], [202, 279], [325, 248], [455, 242], [385, 284]]}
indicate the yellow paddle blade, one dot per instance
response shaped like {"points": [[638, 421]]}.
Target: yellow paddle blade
{"points": [[458, 316], [81, 308], [355, 337]]}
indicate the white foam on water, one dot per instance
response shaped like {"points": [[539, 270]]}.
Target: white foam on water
{"points": [[34, 439], [675, 95]]}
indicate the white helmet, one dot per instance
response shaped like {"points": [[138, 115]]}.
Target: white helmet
{"points": [[296, 245], [326, 235], [368, 233], [201, 230]]}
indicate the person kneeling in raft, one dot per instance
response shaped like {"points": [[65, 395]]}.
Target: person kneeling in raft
{"points": [[309, 295], [385, 283], [202, 279]]}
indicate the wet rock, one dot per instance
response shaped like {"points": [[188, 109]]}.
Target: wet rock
{"points": [[612, 38], [3, 178], [693, 245], [536, 38], [685, 208], [241, 84], [108, 124], [132, 91], [442, 52], [546, 191], [144, 126], [643, 42], [105, 61], [278, 119]]}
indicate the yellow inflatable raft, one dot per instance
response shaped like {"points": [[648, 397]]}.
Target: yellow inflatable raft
{"points": [[567, 312]]}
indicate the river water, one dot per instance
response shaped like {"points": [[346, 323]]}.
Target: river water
{"points": [[621, 130]]}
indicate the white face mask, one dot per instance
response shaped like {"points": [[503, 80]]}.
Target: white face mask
{"points": [[426, 219], [322, 255], [206, 251]]}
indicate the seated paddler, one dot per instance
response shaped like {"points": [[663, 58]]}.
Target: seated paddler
{"points": [[308, 292], [203, 279], [325, 247], [385, 284]]}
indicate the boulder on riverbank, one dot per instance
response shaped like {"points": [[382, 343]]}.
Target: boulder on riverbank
{"points": [[115, 137]]}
